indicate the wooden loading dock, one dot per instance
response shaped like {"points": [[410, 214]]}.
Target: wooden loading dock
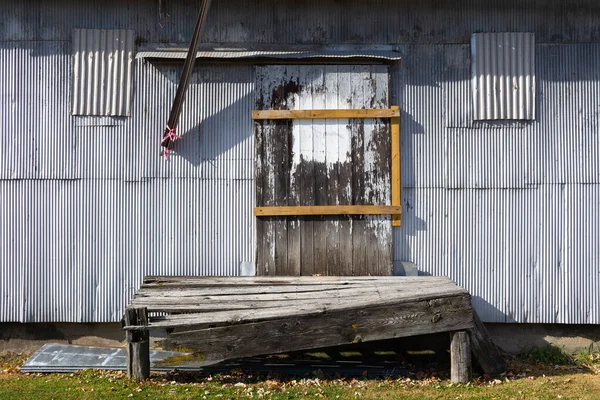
{"points": [[220, 318]]}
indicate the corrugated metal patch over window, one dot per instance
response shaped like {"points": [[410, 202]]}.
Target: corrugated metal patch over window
{"points": [[102, 71], [503, 68]]}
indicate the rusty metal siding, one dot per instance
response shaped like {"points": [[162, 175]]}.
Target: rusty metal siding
{"points": [[503, 76], [102, 71]]}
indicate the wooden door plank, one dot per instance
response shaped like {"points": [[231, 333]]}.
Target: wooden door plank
{"points": [[293, 222], [281, 170], [346, 250], [320, 172], [332, 161], [372, 191], [265, 259], [306, 175], [379, 163], [359, 225]]}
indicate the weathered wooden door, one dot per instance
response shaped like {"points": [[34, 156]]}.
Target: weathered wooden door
{"points": [[322, 162]]}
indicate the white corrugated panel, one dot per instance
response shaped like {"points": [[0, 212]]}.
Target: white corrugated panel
{"points": [[503, 67], [102, 71]]}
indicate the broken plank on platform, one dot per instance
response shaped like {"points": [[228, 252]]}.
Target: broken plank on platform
{"points": [[305, 332]]}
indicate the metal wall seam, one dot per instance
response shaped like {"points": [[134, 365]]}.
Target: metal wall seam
{"points": [[102, 71]]}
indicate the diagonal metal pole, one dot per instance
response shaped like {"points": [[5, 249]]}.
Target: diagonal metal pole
{"points": [[169, 135]]}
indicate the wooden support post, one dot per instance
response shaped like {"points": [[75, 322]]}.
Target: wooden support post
{"points": [[485, 351], [138, 344], [396, 182], [460, 357]]}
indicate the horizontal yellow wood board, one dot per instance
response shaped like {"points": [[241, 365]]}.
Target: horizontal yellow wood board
{"points": [[325, 210], [325, 114], [396, 185]]}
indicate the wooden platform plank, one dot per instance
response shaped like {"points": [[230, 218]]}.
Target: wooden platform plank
{"points": [[246, 290], [252, 315], [318, 302], [287, 280], [228, 317], [343, 327], [358, 298], [332, 290]]}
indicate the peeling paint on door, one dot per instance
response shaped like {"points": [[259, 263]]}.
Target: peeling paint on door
{"points": [[323, 162]]}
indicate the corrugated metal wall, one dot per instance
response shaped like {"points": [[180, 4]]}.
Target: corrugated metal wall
{"points": [[507, 209], [88, 208], [102, 71], [503, 69]]}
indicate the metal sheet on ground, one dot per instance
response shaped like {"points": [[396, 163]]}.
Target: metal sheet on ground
{"points": [[60, 358], [54, 357]]}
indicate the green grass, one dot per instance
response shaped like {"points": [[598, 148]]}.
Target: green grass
{"points": [[547, 355], [524, 381], [542, 373], [589, 358]]}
